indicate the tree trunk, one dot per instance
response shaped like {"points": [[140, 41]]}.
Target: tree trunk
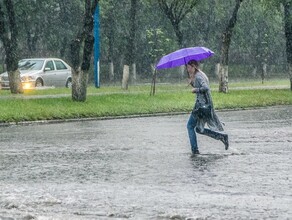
{"points": [[223, 68], [126, 74], [8, 35], [15, 82], [223, 79], [134, 73], [12, 69], [153, 84], [79, 85], [111, 72], [226, 40], [131, 47], [110, 33], [85, 38], [264, 72], [30, 46], [254, 71], [75, 62], [80, 76], [63, 46], [288, 33], [290, 75], [178, 33], [217, 69], [182, 72]]}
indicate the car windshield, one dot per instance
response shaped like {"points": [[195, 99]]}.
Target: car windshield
{"points": [[30, 64]]}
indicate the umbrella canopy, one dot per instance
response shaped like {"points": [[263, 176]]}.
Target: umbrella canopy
{"points": [[183, 56]]}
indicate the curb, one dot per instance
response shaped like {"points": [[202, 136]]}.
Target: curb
{"points": [[57, 121]]}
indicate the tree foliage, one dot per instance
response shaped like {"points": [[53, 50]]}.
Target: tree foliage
{"points": [[176, 11], [46, 28]]}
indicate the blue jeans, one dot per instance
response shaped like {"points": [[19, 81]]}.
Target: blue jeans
{"points": [[191, 126]]}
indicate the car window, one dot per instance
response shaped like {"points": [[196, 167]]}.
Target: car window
{"points": [[60, 65], [50, 65], [30, 64]]}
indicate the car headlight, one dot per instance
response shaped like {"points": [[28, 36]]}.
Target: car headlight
{"points": [[27, 78]]}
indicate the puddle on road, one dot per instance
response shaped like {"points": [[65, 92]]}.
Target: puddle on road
{"points": [[205, 160]]}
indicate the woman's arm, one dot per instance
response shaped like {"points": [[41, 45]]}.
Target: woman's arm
{"points": [[203, 86]]}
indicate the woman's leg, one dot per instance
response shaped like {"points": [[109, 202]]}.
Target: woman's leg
{"points": [[191, 125], [216, 135]]}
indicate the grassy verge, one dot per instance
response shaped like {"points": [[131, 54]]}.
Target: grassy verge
{"points": [[112, 101]]}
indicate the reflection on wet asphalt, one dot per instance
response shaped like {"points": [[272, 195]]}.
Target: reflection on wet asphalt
{"points": [[141, 168]]}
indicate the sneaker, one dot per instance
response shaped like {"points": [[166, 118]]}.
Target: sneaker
{"points": [[196, 152], [225, 141]]}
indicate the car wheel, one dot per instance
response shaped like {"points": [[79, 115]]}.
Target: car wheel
{"points": [[69, 83], [39, 83]]}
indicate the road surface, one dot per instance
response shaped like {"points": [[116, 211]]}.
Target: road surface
{"points": [[142, 168]]}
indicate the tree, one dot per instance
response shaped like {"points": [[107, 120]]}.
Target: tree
{"points": [[226, 40], [157, 41], [288, 33], [80, 66], [29, 24], [131, 47], [8, 35], [46, 28], [176, 11], [287, 17], [108, 25]]}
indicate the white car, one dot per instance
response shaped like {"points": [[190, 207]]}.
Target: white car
{"points": [[39, 72]]}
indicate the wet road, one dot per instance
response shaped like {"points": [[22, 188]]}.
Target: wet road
{"points": [[141, 168]]}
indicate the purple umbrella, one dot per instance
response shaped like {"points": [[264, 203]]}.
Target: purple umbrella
{"points": [[183, 56]]}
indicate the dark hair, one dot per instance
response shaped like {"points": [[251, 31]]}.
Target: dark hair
{"points": [[193, 63]]}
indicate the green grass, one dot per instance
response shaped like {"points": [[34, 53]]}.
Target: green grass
{"points": [[113, 101], [145, 88]]}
